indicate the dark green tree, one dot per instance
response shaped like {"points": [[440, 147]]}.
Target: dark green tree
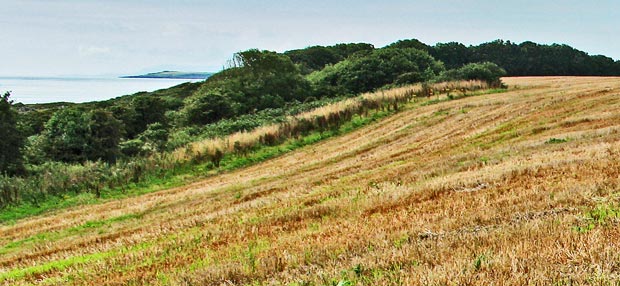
{"points": [[352, 49], [256, 80], [154, 137], [313, 58], [32, 121], [316, 58], [66, 136], [208, 107], [105, 135], [10, 138], [381, 67], [487, 72], [410, 44], [531, 59], [453, 54], [140, 112]]}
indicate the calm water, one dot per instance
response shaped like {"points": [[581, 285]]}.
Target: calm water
{"points": [[45, 90]]}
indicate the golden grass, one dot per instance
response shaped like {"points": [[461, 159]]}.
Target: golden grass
{"points": [[373, 100], [463, 192]]}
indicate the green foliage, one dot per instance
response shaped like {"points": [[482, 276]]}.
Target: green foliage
{"points": [[344, 282], [452, 54], [315, 58], [33, 150], [72, 135], [66, 136], [104, 136], [487, 72], [532, 59], [599, 216], [154, 138], [410, 44], [208, 106], [480, 261], [132, 147], [11, 139], [381, 67], [32, 121], [179, 138], [255, 81], [144, 110]]}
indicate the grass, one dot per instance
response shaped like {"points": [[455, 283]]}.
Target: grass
{"points": [[248, 142], [455, 97], [602, 215], [58, 265], [57, 235], [410, 198], [182, 176]]}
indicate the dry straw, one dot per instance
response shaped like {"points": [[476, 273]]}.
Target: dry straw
{"points": [[318, 119]]}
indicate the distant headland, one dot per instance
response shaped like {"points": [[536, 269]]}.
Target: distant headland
{"points": [[173, 75]]}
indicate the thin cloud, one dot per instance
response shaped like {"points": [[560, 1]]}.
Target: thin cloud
{"points": [[93, 51], [101, 37]]}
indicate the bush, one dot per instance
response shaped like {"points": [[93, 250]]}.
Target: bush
{"points": [[487, 72], [381, 67]]}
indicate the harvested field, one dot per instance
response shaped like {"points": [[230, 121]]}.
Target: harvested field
{"points": [[512, 188]]}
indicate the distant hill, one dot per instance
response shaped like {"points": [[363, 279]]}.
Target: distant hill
{"points": [[173, 74]]}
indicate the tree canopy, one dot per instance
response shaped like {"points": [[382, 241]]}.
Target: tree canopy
{"points": [[487, 72], [381, 67], [255, 80], [527, 58], [315, 58], [11, 139]]}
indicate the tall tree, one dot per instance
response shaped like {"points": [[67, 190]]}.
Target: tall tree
{"points": [[452, 54], [315, 58], [66, 136], [391, 65], [10, 138], [255, 80], [105, 135]]}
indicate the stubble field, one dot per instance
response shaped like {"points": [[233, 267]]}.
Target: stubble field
{"points": [[512, 188]]}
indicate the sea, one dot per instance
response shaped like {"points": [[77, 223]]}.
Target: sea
{"points": [[30, 90]]}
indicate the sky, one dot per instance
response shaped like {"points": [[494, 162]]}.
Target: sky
{"points": [[114, 37]]}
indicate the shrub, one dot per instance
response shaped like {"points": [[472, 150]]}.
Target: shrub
{"points": [[486, 71]]}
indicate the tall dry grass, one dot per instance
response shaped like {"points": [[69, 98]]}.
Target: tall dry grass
{"points": [[320, 119]]}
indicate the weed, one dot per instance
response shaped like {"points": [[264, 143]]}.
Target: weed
{"points": [[599, 216], [358, 270], [480, 261], [344, 282], [400, 241], [556, 141]]}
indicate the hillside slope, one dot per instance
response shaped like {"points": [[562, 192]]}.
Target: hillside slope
{"points": [[514, 188]]}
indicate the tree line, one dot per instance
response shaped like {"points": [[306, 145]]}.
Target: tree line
{"points": [[524, 59]]}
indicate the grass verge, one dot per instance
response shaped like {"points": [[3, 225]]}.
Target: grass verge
{"points": [[184, 175]]}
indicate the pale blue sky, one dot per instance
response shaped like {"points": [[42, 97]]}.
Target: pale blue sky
{"points": [[80, 37]]}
